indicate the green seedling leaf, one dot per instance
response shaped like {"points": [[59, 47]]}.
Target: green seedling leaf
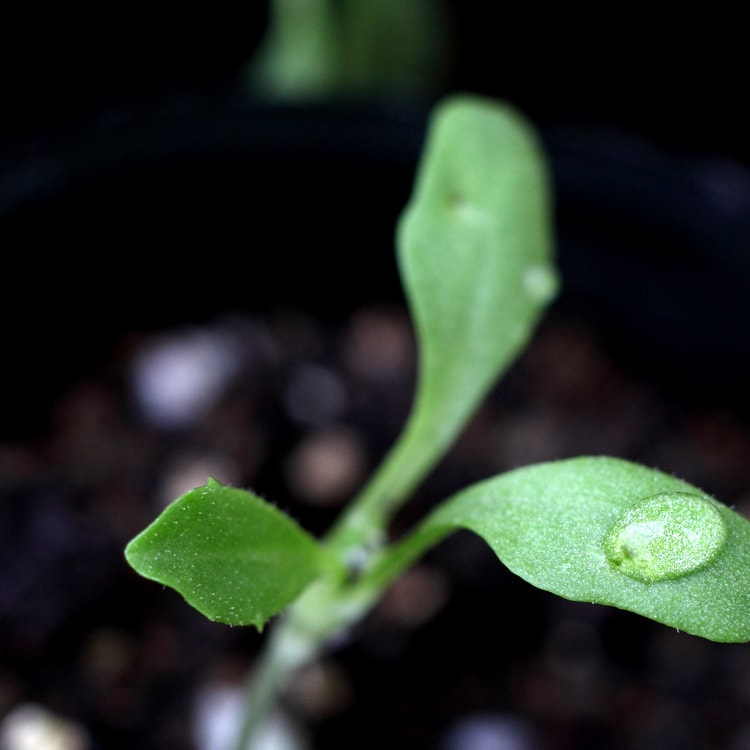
{"points": [[604, 530], [234, 557], [475, 254]]}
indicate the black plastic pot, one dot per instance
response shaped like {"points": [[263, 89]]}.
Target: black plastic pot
{"points": [[236, 206], [169, 219], [164, 218]]}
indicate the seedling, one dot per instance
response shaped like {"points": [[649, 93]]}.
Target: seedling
{"points": [[475, 253]]}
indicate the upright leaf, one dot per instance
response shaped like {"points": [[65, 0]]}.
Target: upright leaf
{"points": [[475, 254]]}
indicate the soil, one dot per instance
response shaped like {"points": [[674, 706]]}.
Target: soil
{"points": [[301, 411]]}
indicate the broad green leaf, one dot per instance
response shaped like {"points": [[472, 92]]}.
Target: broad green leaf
{"points": [[234, 557], [604, 530]]}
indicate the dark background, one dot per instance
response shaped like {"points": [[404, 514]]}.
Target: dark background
{"points": [[674, 80], [640, 114], [677, 77], [142, 186]]}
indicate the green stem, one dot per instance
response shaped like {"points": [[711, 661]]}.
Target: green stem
{"points": [[324, 611], [418, 449], [284, 653], [394, 560], [331, 605]]}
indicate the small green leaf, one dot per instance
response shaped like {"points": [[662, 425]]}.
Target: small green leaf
{"points": [[234, 557], [604, 530]]}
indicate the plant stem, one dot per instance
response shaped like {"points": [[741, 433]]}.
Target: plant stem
{"points": [[324, 611], [423, 442], [331, 605], [394, 560], [284, 652]]}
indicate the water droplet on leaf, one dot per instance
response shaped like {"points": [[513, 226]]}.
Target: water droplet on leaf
{"points": [[665, 536]]}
